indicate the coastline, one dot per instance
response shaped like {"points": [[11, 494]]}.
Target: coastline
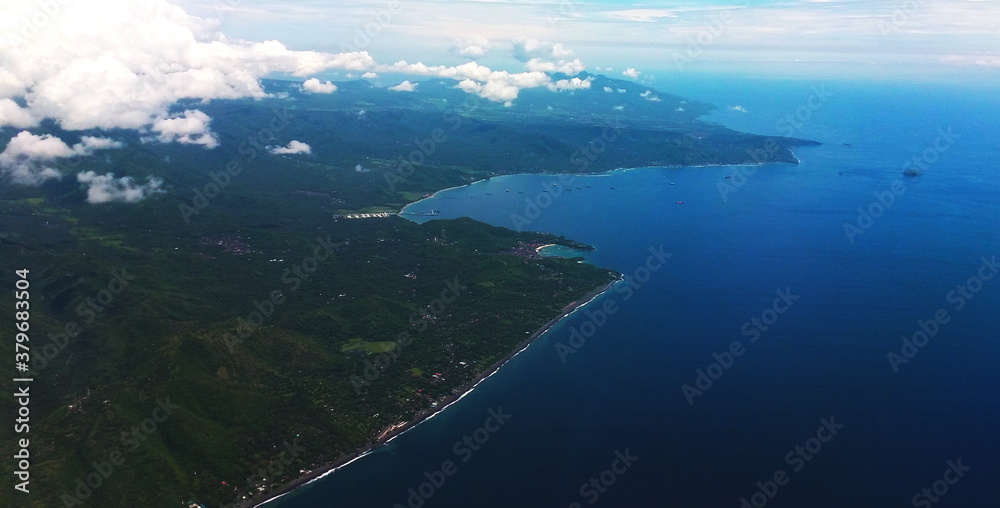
{"points": [[402, 213], [396, 430]]}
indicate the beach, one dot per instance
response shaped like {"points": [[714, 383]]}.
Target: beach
{"points": [[393, 431]]}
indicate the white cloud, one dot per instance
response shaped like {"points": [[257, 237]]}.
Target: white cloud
{"points": [[799, 37], [504, 87], [405, 86], [608, 89], [501, 86], [631, 73], [525, 48], [314, 85], [642, 15], [545, 56], [123, 63], [14, 115], [473, 48], [569, 84], [190, 127], [983, 60], [738, 109], [294, 147], [108, 189], [28, 158], [648, 95], [570, 67]]}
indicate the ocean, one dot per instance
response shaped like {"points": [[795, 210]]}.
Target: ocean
{"points": [[814, 335]]}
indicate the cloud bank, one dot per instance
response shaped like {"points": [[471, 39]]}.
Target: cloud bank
{"points": [[126, 64], [28, 158]]}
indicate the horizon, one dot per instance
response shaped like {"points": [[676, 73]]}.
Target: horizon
{"points": [[911, 39], [125, 64]]}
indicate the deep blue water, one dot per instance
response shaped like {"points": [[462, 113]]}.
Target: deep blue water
{"points": [[824, 357]]}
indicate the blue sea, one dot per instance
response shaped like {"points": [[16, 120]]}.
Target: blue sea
{"points": [[762, 361]]}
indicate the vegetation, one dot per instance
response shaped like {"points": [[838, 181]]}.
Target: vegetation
{"points": [[275, 336]]}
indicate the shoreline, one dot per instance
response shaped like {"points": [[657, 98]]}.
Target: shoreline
{"points": [[402, 213], [398, 429]]}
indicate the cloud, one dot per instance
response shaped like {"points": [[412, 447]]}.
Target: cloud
{"points": [[504, 87], [525, 48], [738, 109], [28, 157], [649, 96], [14, 115], [108, 189], [294, 147], [314, 85], [545, 56], [499, 86], [642, 15], [405, 86], [983, 60], [190, 127], [473, 48], [570, 67], [631, 73], [569, 84], [123, 63]]}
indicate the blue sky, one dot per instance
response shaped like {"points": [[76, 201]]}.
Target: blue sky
{"points": [[882, 39]]}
